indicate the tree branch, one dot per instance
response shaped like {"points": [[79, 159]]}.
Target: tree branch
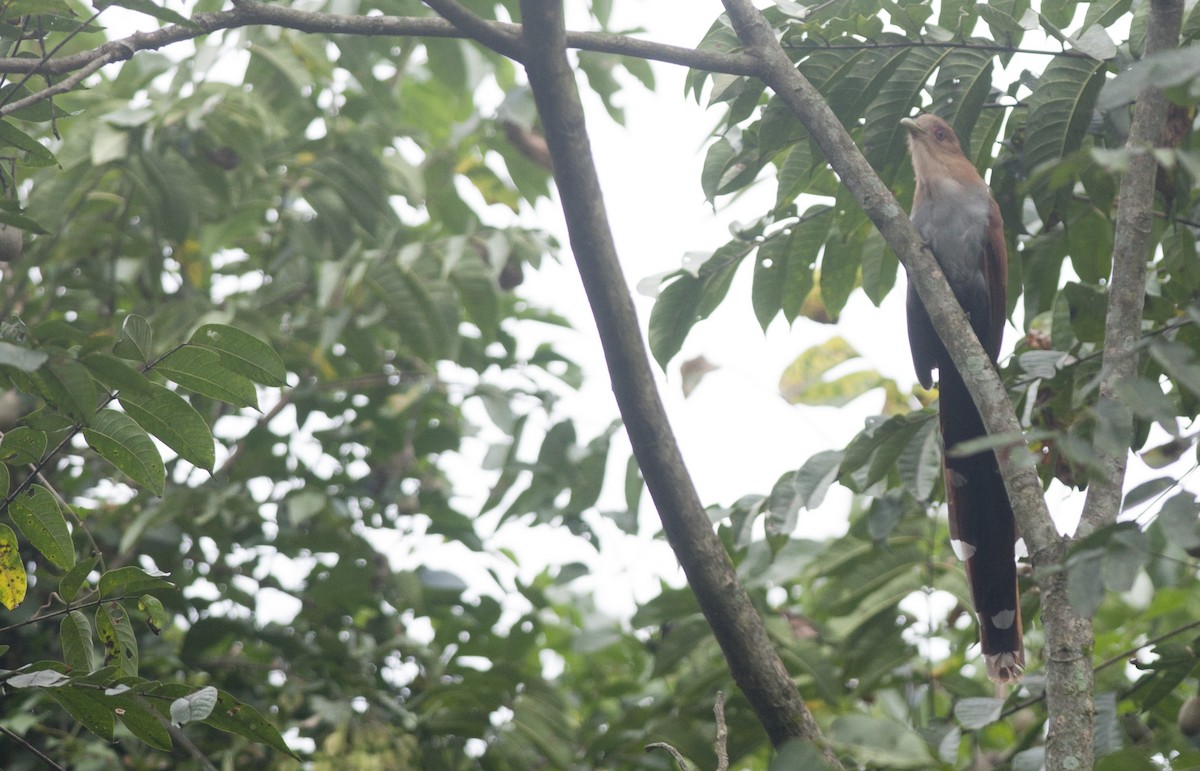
{"points": [[1132, 246], [737, 626]]}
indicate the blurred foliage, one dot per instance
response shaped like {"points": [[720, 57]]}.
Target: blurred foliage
{"points": [[266, 295]]}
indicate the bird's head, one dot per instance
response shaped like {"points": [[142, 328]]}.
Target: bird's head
{"points": [[930, 133], [935, 150]]}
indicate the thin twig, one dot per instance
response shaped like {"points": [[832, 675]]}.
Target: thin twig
{"points": [[721, 743], [674, 753], [30, 748]]}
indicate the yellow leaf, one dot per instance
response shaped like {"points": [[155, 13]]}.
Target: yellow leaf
{"points": [[12, 570]]}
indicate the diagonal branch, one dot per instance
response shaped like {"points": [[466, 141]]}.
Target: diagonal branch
{"points": [[500, 40], [737, 626], [1132, 244]]}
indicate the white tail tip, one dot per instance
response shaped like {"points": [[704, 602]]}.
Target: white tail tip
{"points": [[1005, 667]]}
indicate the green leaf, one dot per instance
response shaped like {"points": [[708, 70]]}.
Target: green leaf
{"points": [[1109, 558], [75, 634], [783, 506], [1164, 69], [879, 268], [200, 370], [884, 137], [39, 111], [156, 615], [716, 161], [1179, 519], [141, 720], [794, 173], [477, 287], [71, 583], [422, 310], [816, 475], [875, 452], [839, 273], [13, 581], [1090, 244], [131, 580], [1087, 304], [976, 712], [38, 154], [86, 704], [964, 81], [23, 359], [176, 423], [1060, 109], [1179, 362], [115, 374], [1171, 665], [799, 753], [136, 342], [243, 353], [770, 266], [807, 238], [118, 439], [673, 315], [69, 387], [920, 462], [118, 638], [37, 514], [879, 742], [23, 446]]}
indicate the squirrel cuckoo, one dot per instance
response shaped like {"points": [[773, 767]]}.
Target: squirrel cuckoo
{"points": [[954, 212]]}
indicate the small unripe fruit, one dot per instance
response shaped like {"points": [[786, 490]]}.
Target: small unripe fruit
{"points": [[1189, 717], [12, 243]]}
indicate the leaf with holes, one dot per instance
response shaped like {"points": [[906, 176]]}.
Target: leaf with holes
{"points": [[117, 635]]}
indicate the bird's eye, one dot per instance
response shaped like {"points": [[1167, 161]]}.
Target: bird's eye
{"points": [[939, 133]]}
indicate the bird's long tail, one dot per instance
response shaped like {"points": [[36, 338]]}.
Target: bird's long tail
{"points": [[982, 531]]}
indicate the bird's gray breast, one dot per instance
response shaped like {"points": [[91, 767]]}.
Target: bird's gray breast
{"points": [[954, 223]]}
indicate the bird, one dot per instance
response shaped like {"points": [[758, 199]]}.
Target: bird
{"points": [[959, 220]]}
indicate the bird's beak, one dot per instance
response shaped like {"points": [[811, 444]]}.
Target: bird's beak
{"points": [[912, 126]]}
